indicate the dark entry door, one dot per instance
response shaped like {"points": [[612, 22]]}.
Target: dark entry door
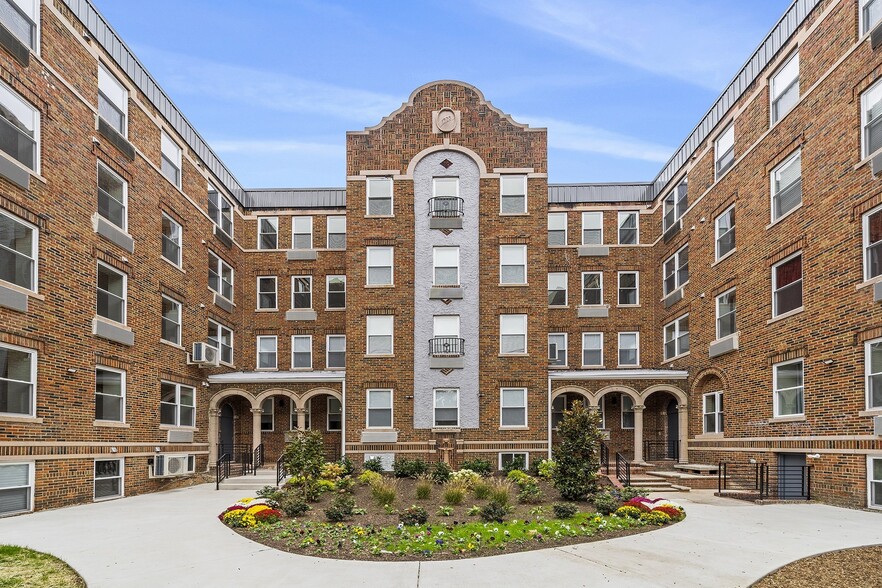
{"points": [[673, 448], [791, 476], [226, 430]]}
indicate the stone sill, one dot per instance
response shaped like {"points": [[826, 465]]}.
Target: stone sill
{"points": [[788, 419], [111, 424], [502, 428], [871, 412], [25, 291], [709, 437], [783, 216], [676, 357], [176, 428], [9, 418], [787, 314], [174, 265], [172, 345], [725, 257]]}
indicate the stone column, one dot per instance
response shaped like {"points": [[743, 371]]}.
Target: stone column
{"points": [[638, 433], [683, 411], [213, 428], [301, 418], [256, 413]]}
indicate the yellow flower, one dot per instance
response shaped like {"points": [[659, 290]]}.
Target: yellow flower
{"points": [[257, 508]]}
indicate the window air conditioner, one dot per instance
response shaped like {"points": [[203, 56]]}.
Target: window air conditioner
{"points": [[172, 465], [204, 354]]}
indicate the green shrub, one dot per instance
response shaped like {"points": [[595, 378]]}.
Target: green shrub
{"points": [[272, 495], [454, 493], [655, 518], [344, 484], [368, 477], [518, 462], [530, 493], [546, 469], [494, 512], [474, 511], [629, 492], [347, 465], [466, 477], [304, 457], [325, 486], [500, 492], [482, 467], [517, 476], [423, 489], [293, 505], [440, 472], [481, 490], [374, 464], [409, 468], [445, 511], [415, 515], [331, 471], [606, 503], [564, 510], [384, 491], [577, 454], [341, 509]]}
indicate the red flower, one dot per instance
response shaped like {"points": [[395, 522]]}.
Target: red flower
{"points": [[672, 512], [638, 504]]}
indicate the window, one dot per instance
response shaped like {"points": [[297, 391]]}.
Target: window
{"points": [[221, 338], [19, 128], [676, 270], [784, 88], [726, 314], [335, 291], [446, 407], [557, 349], [513, 407], [629, 228], [675, 204], [564, 402], [336, 232], [557, 288], [508, 458], [220, 210], [787, 285], [445, 336], [307, 416], [302, 232], [22, 18], [379, 266], [871, 13], [445, 201], [112, 196], [171, 161], [16, 487], [113, 100], [171, 320], [301, 352], [267, 352], [873, 363], [379, 408], [267, 415], [871, 119], [592, 349], [557, 229], [379, 197], [787, 186], [676, 337], [724, 227], [512, 334], [874, 485], [111, 293], [18, 252], [512, 264], [335, 414], [872, 243], [629, 349], [513, 194], [592, 288], [379, 335], [171, 240], [627, 412], [268, 232], [724, 150], [177, 406], [712, 404], [335, 352], [629, 288], [18, 380], [108, 478], [301, 292], [220, 276], [592, 228], [445, 262], [267, 293], [788, 384]]}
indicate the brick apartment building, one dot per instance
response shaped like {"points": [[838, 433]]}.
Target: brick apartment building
{"points": [[449, 302]]}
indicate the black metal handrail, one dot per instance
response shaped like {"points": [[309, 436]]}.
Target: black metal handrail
{"points": [[749, 479], [449, 346], [604, 457], [222, 469], [623, 469], [446, 207], [659, 450], [281, 470], [258, 458]]}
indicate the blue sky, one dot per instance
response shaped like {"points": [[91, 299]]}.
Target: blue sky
{"points": [[273, 85]]}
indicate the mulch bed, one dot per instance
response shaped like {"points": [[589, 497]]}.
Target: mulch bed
{"points": [[860, 567]]}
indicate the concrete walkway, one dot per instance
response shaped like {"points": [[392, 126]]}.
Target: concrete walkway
{"points": [[174, 539]]}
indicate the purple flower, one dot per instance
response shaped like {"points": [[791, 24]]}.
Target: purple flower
{"points": [[439, 541]]}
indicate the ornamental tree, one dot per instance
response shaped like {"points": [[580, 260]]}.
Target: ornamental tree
{"points": [[577, 456], [303, 458]]}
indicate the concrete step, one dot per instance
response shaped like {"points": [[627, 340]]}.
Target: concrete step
{"points": [[251, 482]]}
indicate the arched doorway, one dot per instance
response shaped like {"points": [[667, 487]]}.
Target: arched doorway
{"points": [[672, 451], [227, 427]]}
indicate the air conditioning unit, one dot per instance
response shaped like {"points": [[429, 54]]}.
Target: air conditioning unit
{"points": [[877, 426], [204, 354], [168, 465]]}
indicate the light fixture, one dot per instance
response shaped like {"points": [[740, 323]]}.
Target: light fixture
{"points": [[157, 449], [827, 361], [71, 370], [751, 460], [113, 450], [813, 455]]}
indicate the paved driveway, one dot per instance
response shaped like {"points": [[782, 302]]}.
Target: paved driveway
{"points": [[173, 539]]}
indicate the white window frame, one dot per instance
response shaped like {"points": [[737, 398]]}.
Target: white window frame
{"points": [[219, 330], [717, 413], [35, 120], [719, 317], [678, 333], [336, 219], [438, 251], [514, 455], [865, 239], [637, 348], [624, 215], [123, 107], [219, 269], [677, 266], [32, 410], [223, 210], [274, 353], [31, 15], [328, 292], [30, 486], [877, 504], [294, 350], [566, 349], [179, 323], [586, 216], [865, 25], [875, 88], [103, 167], [636, 288], [274, 292], [328, 351], [776, 391], [303, 220], [391, 408], [554, 222], [273, 222], [774, 194], [125, 294], [372, 331], [435, 407], [869, 373], [171, 152], [503, 194], [722, 139], [371, 181], [310, 292], [519, 251], [271, 421], [565, 289], [627, 399], [503, 407], [177, 405], [775, 93], [504, 333], [122, 479], [584, 289], [328, 414], [34, 256], [371, 253], [675, 203], [168, 239], [585, 337], [776, 289], [718, 234]]}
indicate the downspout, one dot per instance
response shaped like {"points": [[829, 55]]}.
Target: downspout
{"points": [[548, 416]]}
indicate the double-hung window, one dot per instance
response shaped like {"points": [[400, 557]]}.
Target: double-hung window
{"points": [[873, 367], [592, 349], [379, 266], [335, 414], [446, 407], [177, 406], [789, 387], [267, 352], [110, 394], [379, 408], [113, 100], [111, 293], [629, 288], [871, 119], [302, 232], [874, 481], [787, 186], [629, 349], [335, 351], [18, 252], [171, 320], [16, 487], [336, 232], [22, 18], [712, 409], [18, 381], [513, 194], [267, 415], [19, 129], [379, 334], [112, 196], [513, 407], [220, 276], [221, 338], [379, 197], [171, 159], [557, 349], [871, 14], [557, 288], [724, 151], [784, 88], [445, 261], [220, 210], [592, 288], [268, 232], [872, 243], [726, 314], [267, 293], [787, 285], [629, 228], [592, 228], [676, 337], [724, 230], [676, 270], [301, 292], [512, 334], [335, 291], [675, 204], [557, 229], [172, 239], [301, 352], [108, 479], [512, 264], [627, 412]]}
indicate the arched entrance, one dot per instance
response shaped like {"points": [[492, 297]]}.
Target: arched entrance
{"points": [[227, 432], [664, 424]]}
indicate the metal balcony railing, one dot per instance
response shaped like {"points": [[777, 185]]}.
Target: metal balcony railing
{"points": [[446, 207], [446, 346]]}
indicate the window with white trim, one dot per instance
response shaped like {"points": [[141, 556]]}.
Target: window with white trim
{"points": [[445, 326], [592, 349], [871, 120], [512, 264], [111, 293], [724, 230], [507, 458], [22, 18], [18, 251], [336, 232], [171, 320], [267, 415], [379, 409], [712, 410], [871, 14], [379, 197], [301, 292], [19, 129], [557, 229], [445, 264], [16, 488], [557, 349], [513, 407], [113, 100], [220, 276], [789, 384], [629, 288], [301, 352], [267, 352], [171, 159], [379, 334], [787, 185], [335, 291], [112, 196], [267, 293], [108, 479], [592, 288], [335, 352], [629, 349], [220, 210], [221, 338], [512, 334], [726, 313], [629, 228], [335, 414], [676, 337], [512, 194], [564, 402], [676, 270], [787, 285], [872, 222], [172, 239], [627, 412], [784, 88], [379, 266], [873, 368], [557, 288], [724, 151], [446, 407], [18, 380], [302, 232], [268, 232], [675, 204], [592, 228], [307, 416], [177, 406], [874, 481]]}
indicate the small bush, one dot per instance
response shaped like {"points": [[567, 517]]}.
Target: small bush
{"points": [[454, 493], [518, 462], [331, 471], [482, 467], [546, 468], [606, 503], [628, 511], [494, 512], [384, 491], [517, 476], [423, 489], [629, 492], [440, 472], [500, 492], [311, 490], [445, 511], [293, 505], [474, 511], [481, 490], [373, 464], [325, 485], [466, 477], [415, 515], [530, 493], [272, 495], [341, 509], [368, 477], [409, 468], [347, 465], [344, 484], [655, 518], [564, 510]]}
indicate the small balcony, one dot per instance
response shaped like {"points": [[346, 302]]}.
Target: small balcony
{"points": [[446, 352], [446, 212]]}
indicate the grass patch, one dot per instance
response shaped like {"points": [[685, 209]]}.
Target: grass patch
{"points": [[25, 568]]}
